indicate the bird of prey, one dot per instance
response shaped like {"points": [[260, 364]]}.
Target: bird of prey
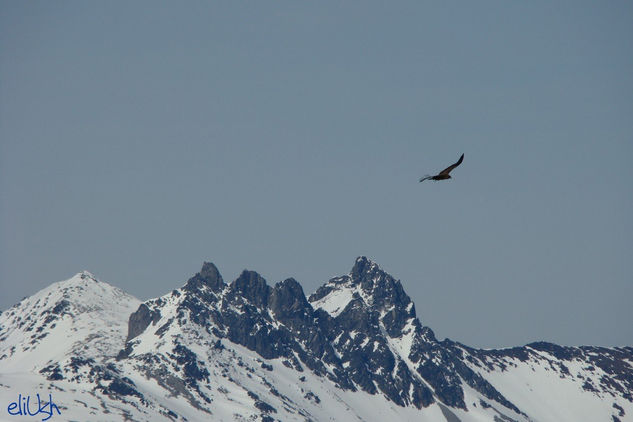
{"points": [[444, 174]]}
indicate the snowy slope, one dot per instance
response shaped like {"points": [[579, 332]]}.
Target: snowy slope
{"points": [[561, 383], [65, 331], [81, 316]]}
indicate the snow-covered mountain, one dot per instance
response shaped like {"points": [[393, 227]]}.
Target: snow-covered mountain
{"points": [[353, 350], [62, 341]]}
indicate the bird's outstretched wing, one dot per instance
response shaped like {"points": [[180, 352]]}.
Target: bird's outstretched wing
{"points": [[449, 168], [425, 178]]}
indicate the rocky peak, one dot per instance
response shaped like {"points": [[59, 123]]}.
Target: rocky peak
{"points": [[380, 289], [252, 287], [364, 270], [287, 300], [209, 276]]}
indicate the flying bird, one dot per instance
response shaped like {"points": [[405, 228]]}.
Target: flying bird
{"points": [[444, 174]]}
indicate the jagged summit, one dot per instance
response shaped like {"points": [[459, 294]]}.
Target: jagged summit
{"points": [[209, 276], [252, 287], [369, 284], [364, 266]]}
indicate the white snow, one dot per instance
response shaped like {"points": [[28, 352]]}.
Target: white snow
{"points": [[535, 388], [335, 302]]}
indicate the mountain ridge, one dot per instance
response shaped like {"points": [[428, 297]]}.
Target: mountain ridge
{"points": [[247, 349]]}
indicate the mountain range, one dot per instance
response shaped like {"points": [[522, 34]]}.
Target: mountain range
{"points": [[243, 351]]}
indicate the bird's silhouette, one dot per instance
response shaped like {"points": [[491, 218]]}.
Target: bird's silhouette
{"points": [[444, 174]]}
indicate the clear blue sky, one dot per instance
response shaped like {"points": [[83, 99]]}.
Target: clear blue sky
{"points": [[138, 139]]}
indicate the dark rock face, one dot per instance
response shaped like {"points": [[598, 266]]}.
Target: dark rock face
{"points": [[123, 387], [192, 368], [60, 307], [252, 287], [140, 320], [288, 302]]}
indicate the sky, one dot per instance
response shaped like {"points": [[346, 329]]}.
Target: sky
{"points": [[139, 139]]}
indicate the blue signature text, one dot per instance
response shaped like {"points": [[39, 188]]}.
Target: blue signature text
{"points": [[26, 408]]}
